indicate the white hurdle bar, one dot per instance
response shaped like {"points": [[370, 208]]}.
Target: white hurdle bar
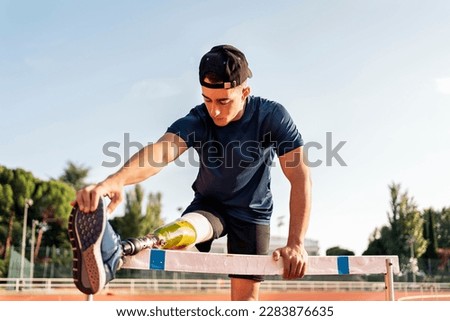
{"points": [[219, 263]]}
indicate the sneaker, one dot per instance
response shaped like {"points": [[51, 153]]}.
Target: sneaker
{"points": [[96, 247]]}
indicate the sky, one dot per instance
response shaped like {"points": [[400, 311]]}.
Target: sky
{"points": [[367, 79]]}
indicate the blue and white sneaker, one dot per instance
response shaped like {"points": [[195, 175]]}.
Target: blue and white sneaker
{"points": [[97, 249]]}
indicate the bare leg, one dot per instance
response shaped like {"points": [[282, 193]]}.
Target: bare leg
{"points": [[244, 290]]}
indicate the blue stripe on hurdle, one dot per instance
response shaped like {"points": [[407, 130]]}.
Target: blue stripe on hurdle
{"points": [[157, 259], [343, 265]]}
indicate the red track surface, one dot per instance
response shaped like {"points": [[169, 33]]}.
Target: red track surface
{"points": [[267, 296]]}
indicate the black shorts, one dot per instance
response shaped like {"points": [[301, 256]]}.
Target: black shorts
{"points": [[242, 238]]}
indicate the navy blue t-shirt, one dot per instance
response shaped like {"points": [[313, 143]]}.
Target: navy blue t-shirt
{"points": [[235, 160]]}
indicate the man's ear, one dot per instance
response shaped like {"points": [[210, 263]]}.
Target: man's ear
{"points": [[246, 92]]}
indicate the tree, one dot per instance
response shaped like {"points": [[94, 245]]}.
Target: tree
{"points": [[336, 250], [377, 244], [134, 222], [52, 208], [132, 219], [51, 205], [75, 175], [442, 226], [404, 234], [442, 235], [429, 231], [152, 219], [17, 186], [6, 218]]}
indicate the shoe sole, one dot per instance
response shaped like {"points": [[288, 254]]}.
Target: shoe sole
{"points": [[86, 234]]}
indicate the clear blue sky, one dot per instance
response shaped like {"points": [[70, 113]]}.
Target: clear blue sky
{"points": [[75, 75]]}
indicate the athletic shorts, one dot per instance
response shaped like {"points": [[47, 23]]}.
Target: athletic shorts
{"points": [[242, 238]]}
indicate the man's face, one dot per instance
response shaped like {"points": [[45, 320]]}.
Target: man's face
{"points": [[225, 105]]}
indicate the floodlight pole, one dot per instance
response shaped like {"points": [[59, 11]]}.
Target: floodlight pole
{"points": [[28, 203], [33, 240]]}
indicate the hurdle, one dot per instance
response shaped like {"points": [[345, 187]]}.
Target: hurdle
{"points": [[221, 263]]}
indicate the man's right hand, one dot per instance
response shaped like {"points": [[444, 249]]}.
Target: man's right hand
{"points": [[87, 198]]}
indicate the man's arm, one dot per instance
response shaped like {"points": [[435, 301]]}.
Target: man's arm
{"points": [[294, 254], [142, 165]]}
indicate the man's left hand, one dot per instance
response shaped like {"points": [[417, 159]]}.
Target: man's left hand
{"points": [[294, 260]]}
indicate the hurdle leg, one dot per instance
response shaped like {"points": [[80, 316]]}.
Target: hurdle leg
{"points": [[389, 281]]}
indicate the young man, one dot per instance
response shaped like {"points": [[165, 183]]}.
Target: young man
{"points": [[236, 136]]}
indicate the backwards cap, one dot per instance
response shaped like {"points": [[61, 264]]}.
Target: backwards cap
{"points": [[228, 65]]}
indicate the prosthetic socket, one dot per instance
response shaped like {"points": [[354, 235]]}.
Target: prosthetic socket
{"points": [[175, 235]]}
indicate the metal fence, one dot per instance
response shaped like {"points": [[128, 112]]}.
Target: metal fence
{"points": [[130, 286]]}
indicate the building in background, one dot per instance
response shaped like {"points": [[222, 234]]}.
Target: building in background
{"points": [[312, 246]]}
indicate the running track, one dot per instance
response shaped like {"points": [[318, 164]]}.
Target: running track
{"points": [[267, 296]]}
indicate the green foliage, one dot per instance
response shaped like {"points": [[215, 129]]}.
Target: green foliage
{"points": [[442, 226], [336, 250], [51, 208], [6, 198], [135, 223], [6, 204], [152, 219], [3, 268], [404, 234], [21, 182], [437, 232], [377, 242], [412, 233], [429, 231], [52, 202], [17, 186], [51, 205], [75, 175]]}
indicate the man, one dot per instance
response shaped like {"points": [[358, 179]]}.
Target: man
{"points": [[236, 136]]}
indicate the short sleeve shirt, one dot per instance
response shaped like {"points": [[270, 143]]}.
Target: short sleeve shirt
{"points": [[235, 160]]}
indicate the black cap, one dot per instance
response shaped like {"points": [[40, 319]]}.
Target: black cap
{"points": [[227, 64]]}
